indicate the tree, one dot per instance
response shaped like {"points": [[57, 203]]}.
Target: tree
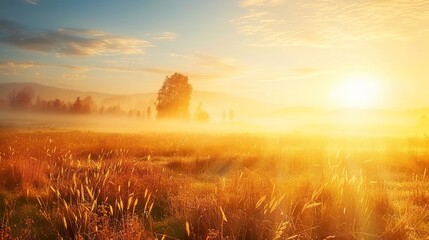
{"points": [[85, 106], [201, 115], [89, 105], [114, 110], [3, 104], [174, 97], [21, 99], [231, 115], [77, 106], [101, 111], [51, 106], [149, 113]]}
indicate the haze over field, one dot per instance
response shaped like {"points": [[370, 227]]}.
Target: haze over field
{"points": [[248, 115]]}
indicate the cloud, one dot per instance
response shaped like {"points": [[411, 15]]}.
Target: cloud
{"points": [[211, 61], [166, 36], [159, 70], [9, 67], [194, 75], [252, 3], [14, 66], [330, 22], [31, 2], [69, 41], [73, 76], [210, 66], [205, 60], [198, 66], [306, 70]]}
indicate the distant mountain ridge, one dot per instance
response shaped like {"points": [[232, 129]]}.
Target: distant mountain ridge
{"points": [[49, 93]]}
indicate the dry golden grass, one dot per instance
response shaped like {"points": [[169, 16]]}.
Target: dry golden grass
{"points": [[83, 185]]}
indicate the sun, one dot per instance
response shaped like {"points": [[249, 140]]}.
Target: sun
{"points": [[359, 91]]}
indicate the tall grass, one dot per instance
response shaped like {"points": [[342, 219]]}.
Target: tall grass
{"points": [[78, 185]]}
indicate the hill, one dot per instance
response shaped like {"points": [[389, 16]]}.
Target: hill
{"points": [[49, 93]]}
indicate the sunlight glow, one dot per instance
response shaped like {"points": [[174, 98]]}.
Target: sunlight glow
{"points": [[359, 91]]}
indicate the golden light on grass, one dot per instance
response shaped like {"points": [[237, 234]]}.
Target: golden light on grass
{"points": [[357, 91], [258, 187], [188, 229]]}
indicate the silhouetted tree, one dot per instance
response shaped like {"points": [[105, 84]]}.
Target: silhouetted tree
{"points": [[77, 106], [38, 102], [84, 106], [101, 111], [21, 99], [53, 106], [3, 104], [58, 106], [115, 110], [174, 97], [40, 105], [224, 116], [89, 105], [149, 113], [201, 115], [139, 115], [231, 115]]}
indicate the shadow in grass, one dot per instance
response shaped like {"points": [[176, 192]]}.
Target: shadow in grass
{"points": [[22, 215], [172, 227]]}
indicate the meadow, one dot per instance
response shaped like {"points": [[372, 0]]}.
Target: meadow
{"points": [[89, 185]]}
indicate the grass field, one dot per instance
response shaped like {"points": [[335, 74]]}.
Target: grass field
{"points": [[85, 185]]}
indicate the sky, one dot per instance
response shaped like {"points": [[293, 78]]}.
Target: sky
{"points": [[317, 53]]}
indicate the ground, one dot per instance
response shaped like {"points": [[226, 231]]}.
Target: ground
{"points": [[94, 185]]}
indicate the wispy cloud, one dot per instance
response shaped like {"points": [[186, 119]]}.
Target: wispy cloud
{"points": [[252, 3], [210, 66], [14, 66], [73, 76], [195, 75], [8, 67], [198, 66], [127, 69], [329, 22], [69, 41], [165, 36], [32, 2], [306, 70], [216, 62]]}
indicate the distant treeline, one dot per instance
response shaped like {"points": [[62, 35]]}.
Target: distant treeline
{"points": [[22, 100], [171, 103]]}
